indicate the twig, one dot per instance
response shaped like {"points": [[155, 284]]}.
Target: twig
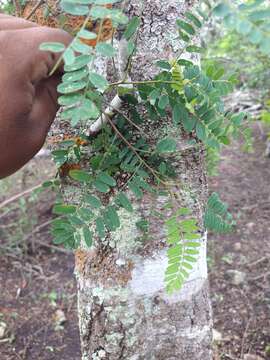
{"points": [[41, 2], [126, 118], [258, 261], [50, 246], [245, 336], [116, 103], [36, 229], [16, 197], [17, 7], [250, 319], [259, 277], [58, 62], [153, 172]]}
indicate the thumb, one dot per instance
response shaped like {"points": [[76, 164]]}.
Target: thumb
{"points": [[42, 62], [21, 55], [8, 22]]}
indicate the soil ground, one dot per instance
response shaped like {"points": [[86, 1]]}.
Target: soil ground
{"points": [[38, 291], [239, 262]]}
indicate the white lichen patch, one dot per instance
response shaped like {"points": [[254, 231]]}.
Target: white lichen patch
{"points": [[148, 276], [103, 295], [98, 355], [126, 239]]}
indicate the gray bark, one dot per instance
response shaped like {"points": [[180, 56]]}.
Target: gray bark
{"points": [[124, 310]]}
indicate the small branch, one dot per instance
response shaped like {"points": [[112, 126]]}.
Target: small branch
{"points": [[142, 82], [135, 151], [116, 103], [36, 230], [16, 7], [18, 196], [57, 64], [41, 2], [259, 277], [127, 118], [258, 261], [50, 246]]}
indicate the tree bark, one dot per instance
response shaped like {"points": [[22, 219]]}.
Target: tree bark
{"points": [[124, 310]]}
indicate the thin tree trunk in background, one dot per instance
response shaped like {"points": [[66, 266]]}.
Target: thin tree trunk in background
{"points": [[123, 308]]}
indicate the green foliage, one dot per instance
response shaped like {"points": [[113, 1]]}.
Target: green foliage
{"points": [[212, 161], [216, 217], [265, 114], [183, 240], [250, 19], [7, 6], [120, 163], [245, 45], [98, 208]]}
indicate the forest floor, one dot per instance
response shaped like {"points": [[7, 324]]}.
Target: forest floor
{"points": [[239, 262], [38, 318]]}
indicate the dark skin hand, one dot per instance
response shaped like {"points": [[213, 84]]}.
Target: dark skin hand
{"points": [[28, 95]]}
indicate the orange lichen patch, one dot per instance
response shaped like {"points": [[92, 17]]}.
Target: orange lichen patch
{"points": [[77, 140], [55, 139], [80, 260], [81, 142], [49, 14], [106, 34], [58, 138], [65, 169], [82, 257], [102, 266]]}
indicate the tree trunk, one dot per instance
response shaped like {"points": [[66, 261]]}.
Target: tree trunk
{"points": [[124, 310]]}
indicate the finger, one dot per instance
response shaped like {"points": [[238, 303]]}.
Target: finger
{"points": [[17, 147], [23, 138], [8, 22], [47, 58], [22, 57], [45, 104]]}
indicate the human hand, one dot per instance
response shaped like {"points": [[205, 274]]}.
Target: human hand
{"points": [[28, 96]]}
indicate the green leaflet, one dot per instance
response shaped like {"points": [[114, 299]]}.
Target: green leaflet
{"points": [[136, 190], [93, 201], [132, 27], [98, 81], [74, 9], [52, 46], [194, 19], [86, 34], [75, 75], [69, 56], [64, 209], [166, 145], [105, 49], [70, 99], [182, 254], [216, 217], [106, 179], [71, 87], [101, 186], [123, 201], [87, 236], [80, 62], [100, 227], [111, 218], [186, 27], [80, 175]]}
